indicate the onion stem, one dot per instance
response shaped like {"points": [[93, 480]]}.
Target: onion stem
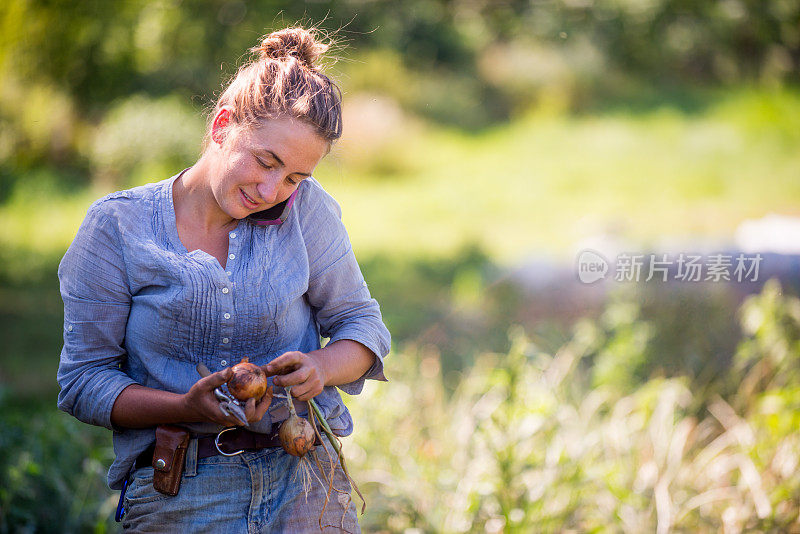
{"points": [[334, 441], [332, 438]]}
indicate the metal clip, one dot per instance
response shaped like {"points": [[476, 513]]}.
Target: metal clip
{"points": [[216, 443]]}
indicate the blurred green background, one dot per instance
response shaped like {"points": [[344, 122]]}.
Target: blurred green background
{"points": [[484, 142]]}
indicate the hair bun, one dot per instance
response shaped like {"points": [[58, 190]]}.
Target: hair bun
{"points": [[299, 43]]}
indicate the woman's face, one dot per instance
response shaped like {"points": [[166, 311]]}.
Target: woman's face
{"points": [[261, 166]]}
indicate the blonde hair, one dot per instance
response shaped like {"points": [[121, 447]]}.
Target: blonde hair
{"points": [[282, 79]]}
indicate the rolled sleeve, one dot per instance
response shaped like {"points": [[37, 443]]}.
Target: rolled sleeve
{"points": [[96, 305], [343, 306]]}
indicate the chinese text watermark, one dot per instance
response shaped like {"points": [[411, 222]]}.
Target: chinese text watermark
{"points": [[740, 267]]}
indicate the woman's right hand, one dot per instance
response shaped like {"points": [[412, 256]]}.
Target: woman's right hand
{"points": [[201, 402], [143, 407]]}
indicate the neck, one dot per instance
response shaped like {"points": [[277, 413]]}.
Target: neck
{"points": [[194, 201]]}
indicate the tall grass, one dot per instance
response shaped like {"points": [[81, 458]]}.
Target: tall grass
{"points": [[525, 440], [526, 444]]}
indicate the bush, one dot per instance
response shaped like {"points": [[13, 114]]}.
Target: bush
{"points": [[144, 137], [52, 472]]}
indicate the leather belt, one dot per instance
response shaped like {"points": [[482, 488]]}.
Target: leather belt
{"points": [[232, 441]]}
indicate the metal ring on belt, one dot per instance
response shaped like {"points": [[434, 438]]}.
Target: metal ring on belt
{"points": [[216, 443], [235, 439]]}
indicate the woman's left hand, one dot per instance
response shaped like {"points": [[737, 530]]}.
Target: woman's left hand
{"points": [[299, 370]]}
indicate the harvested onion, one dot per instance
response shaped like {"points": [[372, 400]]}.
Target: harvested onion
{"points": [[297, 435], [247, 381]]}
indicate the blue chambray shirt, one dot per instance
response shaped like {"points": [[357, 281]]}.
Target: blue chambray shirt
{"points": [[140, 309]]}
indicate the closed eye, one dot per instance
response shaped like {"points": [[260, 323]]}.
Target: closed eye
{"points": [[269, 167]]}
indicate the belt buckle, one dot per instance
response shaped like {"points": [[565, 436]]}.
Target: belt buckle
{"points": [[216, 443]]}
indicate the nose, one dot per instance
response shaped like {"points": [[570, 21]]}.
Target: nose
{"points": [[268, 190]]}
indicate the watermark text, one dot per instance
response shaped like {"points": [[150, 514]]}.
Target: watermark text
{"points": [[593, 266]]}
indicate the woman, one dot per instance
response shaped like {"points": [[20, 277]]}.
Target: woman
{"points": [[241, 255]]}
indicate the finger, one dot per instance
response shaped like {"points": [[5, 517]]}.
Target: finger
{"points": [[307, 391], [266, 400], [284, 363], [212, 411], [263, 405], [225, 416], [215, 380], [235, 421], [302, 392], [224, 419], [250, 410], [297, 377]]}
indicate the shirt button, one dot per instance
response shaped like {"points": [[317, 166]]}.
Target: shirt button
{"points": [[233, 235], [69, 328], [229, 273], [232, 257], [225, 340], [223, 363], [227, 315], [225, 290]]}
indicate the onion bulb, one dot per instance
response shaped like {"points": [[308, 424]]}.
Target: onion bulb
{"points": [[247, 381], [297, 436]]}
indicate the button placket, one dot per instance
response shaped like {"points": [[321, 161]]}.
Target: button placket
{"points": [[233, 248], [226, 324]]}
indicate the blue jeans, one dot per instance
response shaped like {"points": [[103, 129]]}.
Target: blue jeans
{"points": [[254, 492]]}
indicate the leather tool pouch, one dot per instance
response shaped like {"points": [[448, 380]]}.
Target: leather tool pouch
{"points": [[169, 458]]}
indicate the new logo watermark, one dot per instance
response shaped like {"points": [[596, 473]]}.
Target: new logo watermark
{"points": [[592, 266], [683, 267]]}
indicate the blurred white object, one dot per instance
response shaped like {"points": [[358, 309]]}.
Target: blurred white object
{"points": [[773, 233]]}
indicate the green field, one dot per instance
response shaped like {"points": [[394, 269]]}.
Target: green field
{"points": [[542, 183], [532, 187]]}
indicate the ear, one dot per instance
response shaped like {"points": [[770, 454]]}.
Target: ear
{"points": [[220, 126]]}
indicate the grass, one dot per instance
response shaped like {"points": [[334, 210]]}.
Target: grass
{"points": [[539, 185]]}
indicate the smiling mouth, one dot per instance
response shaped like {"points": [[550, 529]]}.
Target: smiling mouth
{"points": [[248, 198]]}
